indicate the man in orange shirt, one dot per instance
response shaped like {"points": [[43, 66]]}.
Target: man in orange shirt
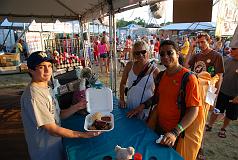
{"points": [[165, 118]]}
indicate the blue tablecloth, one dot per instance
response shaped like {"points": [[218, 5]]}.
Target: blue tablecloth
{"points": [[127, 132]]}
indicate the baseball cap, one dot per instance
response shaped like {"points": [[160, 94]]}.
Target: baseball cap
{"points": [[38, 57], [234, 41]]}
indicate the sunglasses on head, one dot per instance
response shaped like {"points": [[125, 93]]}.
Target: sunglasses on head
{"points": [[140, 52], [168, 53]]}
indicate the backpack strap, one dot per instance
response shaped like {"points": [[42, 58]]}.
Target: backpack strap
{"points": [[182, 96], [158, 78], [154, 99], [157, 81]]}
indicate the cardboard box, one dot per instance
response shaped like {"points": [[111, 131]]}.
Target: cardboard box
{"points": [[9, 59], [23, 67], [9, 70], [99, 100]]}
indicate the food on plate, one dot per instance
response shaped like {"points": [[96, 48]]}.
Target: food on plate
{"points": [[96, 116], [98, 121], [92, 128], [100, 125], [106, 118]]}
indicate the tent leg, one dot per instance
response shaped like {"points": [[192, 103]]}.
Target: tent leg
{"points": [[111, 45], [115, 54]]}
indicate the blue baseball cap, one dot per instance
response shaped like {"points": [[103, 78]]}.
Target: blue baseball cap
{"points": [[37, 58]]}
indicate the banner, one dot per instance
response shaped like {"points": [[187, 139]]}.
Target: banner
{"points": [[227, 17], [36, 40]]}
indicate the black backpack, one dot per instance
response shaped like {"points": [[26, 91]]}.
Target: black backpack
{"points": [[182, 94]]}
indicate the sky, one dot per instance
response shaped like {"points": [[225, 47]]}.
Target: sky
{"points": [[144, 13]]}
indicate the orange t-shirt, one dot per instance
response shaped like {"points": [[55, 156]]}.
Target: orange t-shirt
{"points": [[167, 110]]}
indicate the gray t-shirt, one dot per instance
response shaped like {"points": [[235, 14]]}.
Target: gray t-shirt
{"points": [[211, 62], [39, 107], [230, 80]]}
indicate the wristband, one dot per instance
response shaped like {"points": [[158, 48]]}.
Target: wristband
{"points": [[175, 132], [180, 127]]}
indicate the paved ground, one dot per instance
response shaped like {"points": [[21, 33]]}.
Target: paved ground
{"points": [[12, 141]]}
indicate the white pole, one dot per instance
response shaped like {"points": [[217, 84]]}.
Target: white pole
{"points": [[111, 49], [115, 54]]}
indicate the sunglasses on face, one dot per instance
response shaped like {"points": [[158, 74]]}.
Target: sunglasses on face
{"points": [[168, 53], [143, 52]]}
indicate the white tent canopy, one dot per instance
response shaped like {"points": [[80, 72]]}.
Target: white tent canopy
{"points": [[63, 10], [45, 11], [190, 26]]}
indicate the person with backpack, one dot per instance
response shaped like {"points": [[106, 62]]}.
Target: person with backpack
{"points": [[177, 113], [138, 76]]}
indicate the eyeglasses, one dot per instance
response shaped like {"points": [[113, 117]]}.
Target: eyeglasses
{"points": [[168, 53], [143, 52]]}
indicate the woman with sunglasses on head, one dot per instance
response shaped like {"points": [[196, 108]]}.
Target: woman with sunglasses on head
{"points": [[139, 76], [165, 118]]}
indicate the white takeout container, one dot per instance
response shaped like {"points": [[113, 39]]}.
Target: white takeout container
{"points": [[99, 100]]}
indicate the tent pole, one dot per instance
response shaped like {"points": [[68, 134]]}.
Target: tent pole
{"points": [[41, 39], [111, 43], [115, 53], [78, 41], [6, 37], [111, 50], [82, 40]]}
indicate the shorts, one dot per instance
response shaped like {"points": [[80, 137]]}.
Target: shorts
{"points": [[223, 105], [104, 55]]}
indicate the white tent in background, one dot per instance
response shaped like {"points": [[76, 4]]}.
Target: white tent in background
{"points": [[190, 26]]}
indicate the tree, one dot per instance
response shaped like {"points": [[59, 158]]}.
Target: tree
{"points": [[137, 20], [121, 23], [140, 21]]}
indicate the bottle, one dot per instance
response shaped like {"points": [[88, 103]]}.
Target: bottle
{"points": [[137, 156]]}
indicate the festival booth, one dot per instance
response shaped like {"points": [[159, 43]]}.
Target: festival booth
{"points": [[126, 132]]}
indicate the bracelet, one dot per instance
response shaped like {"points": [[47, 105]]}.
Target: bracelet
{"points": [[180, 127]]}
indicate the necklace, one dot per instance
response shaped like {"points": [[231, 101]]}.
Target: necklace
{"points": [[174, 71]]}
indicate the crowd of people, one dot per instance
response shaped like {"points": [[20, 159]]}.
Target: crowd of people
{"points": [[173, 102]]}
